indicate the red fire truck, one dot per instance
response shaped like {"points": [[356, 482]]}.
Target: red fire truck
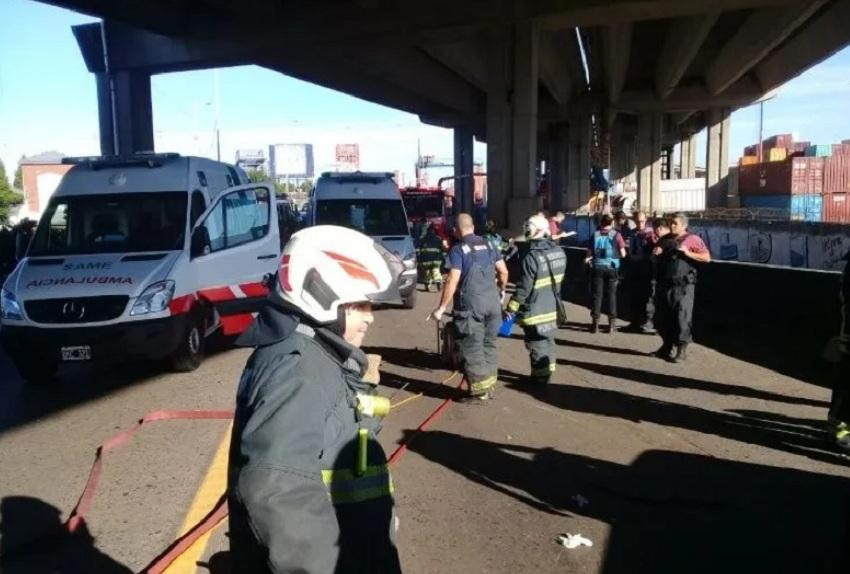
{"points": [[426, 204]]}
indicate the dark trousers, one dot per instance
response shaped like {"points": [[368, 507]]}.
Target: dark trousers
{"points": [[540, 342], [602, 280], [839, 407], [640, 285], [674, 311], [476, 337]]}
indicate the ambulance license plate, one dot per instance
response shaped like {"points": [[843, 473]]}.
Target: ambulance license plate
{"points": [[78, 353]]}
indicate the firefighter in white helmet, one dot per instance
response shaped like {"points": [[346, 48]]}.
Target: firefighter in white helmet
{"points": [[308, 485], [537, 297]]}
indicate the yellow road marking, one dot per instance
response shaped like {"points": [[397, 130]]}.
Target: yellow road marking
{"points": [[213, 486]]}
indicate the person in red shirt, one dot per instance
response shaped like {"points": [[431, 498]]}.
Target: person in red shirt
{"points": [[555, 231], [607, 247], [678, 255]]}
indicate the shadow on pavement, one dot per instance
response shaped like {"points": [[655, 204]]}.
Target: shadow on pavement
{"points": [[33, 540], [805, 440], [603, 348], [21, 402], [670, 511], [679, 382]]}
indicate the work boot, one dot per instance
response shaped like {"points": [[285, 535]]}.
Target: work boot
{"points": [[681, 353], [647, 328], [612, 325], [594, 326], [664, 351]]}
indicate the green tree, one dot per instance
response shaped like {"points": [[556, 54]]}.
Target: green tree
{"points": [[8, 197], [18, 183], [257, 175]]}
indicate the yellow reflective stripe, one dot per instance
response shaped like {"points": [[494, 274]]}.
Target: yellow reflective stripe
{"points": [[429, 250], [362, 495], [373, 406], [546, 281], [540, 319], [513, 306], [346, 474], [842, 433], [542, 371], [483, 385]]}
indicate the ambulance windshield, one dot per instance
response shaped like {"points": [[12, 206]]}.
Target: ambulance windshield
{"points": [[114, 223]]}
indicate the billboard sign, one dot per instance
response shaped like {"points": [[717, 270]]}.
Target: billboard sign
{"points": [[291, 161], [348, 156]]}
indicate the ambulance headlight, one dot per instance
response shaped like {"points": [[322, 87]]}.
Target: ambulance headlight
{"points": [[9, 306], [409, 261], [154, 299]]}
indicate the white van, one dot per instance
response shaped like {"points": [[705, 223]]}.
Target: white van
{"points": [[140, 257], [370, 203]]}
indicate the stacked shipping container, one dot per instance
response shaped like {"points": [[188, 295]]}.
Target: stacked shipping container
{"points": [[811, 182]]}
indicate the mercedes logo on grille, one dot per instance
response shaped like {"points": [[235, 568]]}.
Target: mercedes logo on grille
{"points": [[73, 311]]}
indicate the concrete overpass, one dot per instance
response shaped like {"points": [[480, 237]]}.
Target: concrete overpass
{"points": [[507, 72]]}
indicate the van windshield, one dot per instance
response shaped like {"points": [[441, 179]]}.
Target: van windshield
{"points": [[369, 216], [113, 223]]}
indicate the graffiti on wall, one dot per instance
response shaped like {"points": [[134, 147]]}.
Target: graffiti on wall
{"points": [[760, 247]]}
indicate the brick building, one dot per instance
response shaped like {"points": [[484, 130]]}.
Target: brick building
{"points": [[40, 176]]}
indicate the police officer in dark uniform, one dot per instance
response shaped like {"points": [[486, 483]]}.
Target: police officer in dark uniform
{"points": [[474, 269], [537, 297], [839, 408], [678, 254]]}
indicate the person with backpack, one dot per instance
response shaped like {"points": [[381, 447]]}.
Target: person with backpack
{"points": [[538, 297], [607, 247], [677, 257]]}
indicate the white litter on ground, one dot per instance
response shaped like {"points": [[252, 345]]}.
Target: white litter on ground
{"points": [[573, 541]]}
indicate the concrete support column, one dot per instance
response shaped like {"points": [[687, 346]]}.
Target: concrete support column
{"points": [[125, 112], [463, 170], [649, 161], [717, 150], [578, 168], [559, 146], [524, 200], [499, 132], [688, 156]]}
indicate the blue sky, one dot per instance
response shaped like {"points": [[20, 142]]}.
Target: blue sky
{"points": [[47, 101]]}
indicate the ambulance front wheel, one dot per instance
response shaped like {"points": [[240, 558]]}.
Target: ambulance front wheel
{"points": [[190, 351], [36, 372], [409, 302]]}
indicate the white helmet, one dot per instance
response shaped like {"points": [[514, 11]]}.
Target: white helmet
{"points": [[326, 266], [536, 227]]}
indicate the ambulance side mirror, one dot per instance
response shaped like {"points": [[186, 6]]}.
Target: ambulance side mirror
{"points": [[200, 242]]}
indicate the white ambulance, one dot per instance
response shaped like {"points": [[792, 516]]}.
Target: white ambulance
{"points": [[140, 257]]}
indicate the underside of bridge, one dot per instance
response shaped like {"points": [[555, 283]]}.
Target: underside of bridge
{"points": [[578, 83]]}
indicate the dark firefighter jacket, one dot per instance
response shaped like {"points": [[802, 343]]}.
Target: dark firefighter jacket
{"points": [[543, 269], [304, 495]]}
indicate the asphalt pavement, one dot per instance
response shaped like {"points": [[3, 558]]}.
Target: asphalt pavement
{"points": [[714, 465]]}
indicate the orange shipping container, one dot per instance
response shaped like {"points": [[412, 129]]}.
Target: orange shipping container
{"points": [[836, 208], [749, 160], [836, 174]]}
